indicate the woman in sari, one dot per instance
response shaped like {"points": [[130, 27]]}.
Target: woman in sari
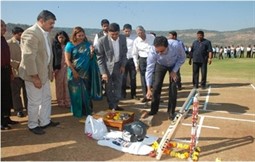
{"points": [[79, 56]]}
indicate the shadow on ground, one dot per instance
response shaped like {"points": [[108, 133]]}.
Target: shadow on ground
{"points": [[225, 85]]}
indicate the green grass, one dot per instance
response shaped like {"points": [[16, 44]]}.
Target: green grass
{"points": [[243, 69]]}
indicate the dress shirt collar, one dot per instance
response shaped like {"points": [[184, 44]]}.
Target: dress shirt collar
{"points": [[114, 40], [43, 31], [15, 40]]}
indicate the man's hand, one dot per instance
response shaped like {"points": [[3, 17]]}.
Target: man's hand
{"points": [[36, 81], [190, 61], [122, 70], [149, 93], [75, 75], [173, 76], [209, 61], [105, 78], [92, 50]]}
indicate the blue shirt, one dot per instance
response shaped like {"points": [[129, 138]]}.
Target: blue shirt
{"points": [[200, 50], [174, 56]]}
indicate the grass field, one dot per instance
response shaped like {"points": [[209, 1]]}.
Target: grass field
{"points": [[241, 69]]}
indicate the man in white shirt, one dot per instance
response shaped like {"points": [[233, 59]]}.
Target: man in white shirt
{"points": [[253, 51], [232, 51], [217, 50], [242, 51], [238, 51], [130, 66], [248, 50], [141, 47], [105, 27]]}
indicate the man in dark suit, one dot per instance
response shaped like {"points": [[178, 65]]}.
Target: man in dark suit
{"points": [[111, 55]]}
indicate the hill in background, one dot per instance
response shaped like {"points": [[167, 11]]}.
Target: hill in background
{"points": [[243, 37]]}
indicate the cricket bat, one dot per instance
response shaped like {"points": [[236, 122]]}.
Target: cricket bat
{"points": [[173, 127]]}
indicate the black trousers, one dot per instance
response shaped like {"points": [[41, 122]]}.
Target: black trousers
{"points": [[6, 96], [242, 54], [160, 72], [113, 86], [196, 67], [248, 55], [129, 69], [142, 66], [16, 85], [179, 79]]}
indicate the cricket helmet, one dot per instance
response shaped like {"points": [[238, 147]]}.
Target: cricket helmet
{"points": [[136, 130]]}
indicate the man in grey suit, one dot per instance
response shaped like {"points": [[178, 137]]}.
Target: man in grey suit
{"points": [[36, 69], [111, 55]]}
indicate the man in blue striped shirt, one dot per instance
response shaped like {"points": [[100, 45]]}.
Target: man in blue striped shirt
{"points": [[165, 55]]}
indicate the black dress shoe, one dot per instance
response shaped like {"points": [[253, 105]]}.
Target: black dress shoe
{"points": [[170, 116], [174, 116], [203, 87], [51, 124], [195, 86], [152, 113], [37, 130], [119, 108], [5, 127], [134, 97]]}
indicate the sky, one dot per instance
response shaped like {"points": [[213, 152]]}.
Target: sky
{"points": [[152, 15]]}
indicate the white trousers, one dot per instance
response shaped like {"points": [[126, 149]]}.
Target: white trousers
{"points": [[39, 104]]}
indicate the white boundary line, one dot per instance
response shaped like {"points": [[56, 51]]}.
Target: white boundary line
{"points": [[219, 117], [207, 98], [229, 112], [199, 127], [253, 86], [203, 126]]}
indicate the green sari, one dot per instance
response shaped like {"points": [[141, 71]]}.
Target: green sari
{"points": [[81, 90]]}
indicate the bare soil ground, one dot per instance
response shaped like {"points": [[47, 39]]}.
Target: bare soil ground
{"points": [[226, 131]]}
